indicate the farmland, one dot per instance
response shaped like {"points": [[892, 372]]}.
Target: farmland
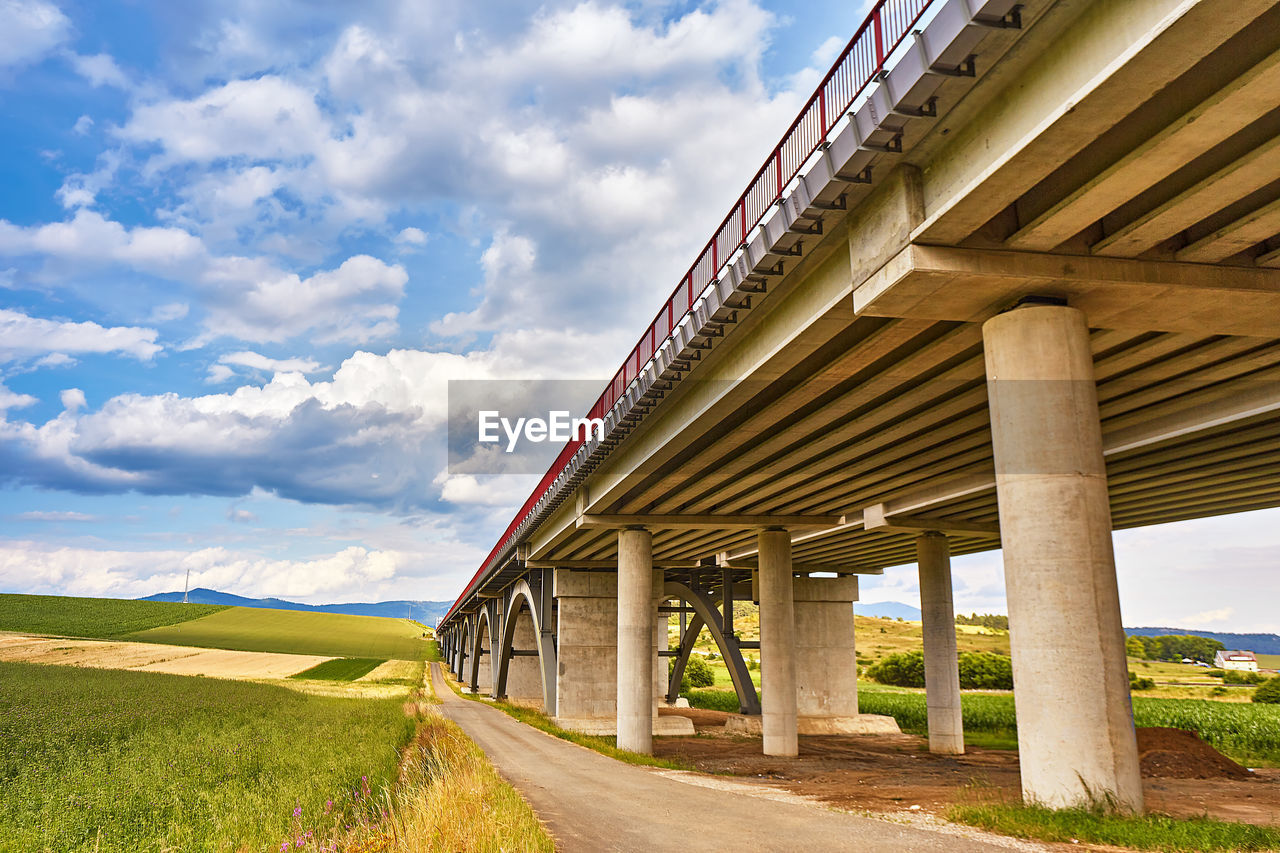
{"points": [[97, 618], [130, 761], [341, 669], [297, 632]]}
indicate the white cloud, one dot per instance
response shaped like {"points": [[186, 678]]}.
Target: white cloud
{"points": [[257, 361], [1218, 617], [412, 237], [32, 28], [83, 125], [13, 400], [73, 399], [38, 567], [22, 337], [55, 515], [100, 70], [219, 373]]}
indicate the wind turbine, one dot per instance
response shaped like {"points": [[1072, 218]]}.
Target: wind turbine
{"points": [[186, 587]]}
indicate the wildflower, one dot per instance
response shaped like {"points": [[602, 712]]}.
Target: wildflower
{"points": [[297, 811], [284, 847]]}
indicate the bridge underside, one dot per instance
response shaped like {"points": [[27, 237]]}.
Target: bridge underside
{"points": [[1099, 211]]}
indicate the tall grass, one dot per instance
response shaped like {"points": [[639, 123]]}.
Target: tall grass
{"points": [[449, 798], [139, 762]]}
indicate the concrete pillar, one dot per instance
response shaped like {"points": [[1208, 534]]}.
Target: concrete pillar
{"points": [[1075, 719], [485, 669], [777, 645], [524, 675], [636, 649], [941, 670], [586, 626], [659, 643]]}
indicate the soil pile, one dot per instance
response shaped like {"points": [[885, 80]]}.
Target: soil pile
{"points": [[1180, 754]]}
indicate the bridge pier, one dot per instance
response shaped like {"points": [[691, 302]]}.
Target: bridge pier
{"points": [[1076, 736], [637, 648], [587, 639], [777, 644], [941, 671]]}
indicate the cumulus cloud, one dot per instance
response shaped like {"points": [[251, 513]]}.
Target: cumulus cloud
{"points": [[257, 361], [100, 70], [13, 400], [37, 567], [32, 29], [22, 337]]}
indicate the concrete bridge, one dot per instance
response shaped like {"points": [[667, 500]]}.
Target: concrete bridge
{"points": [[1012, 279]]}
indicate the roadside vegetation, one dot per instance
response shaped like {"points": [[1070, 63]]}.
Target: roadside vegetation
{"points": [[94, 618], [125, 761], [1094, 826]]}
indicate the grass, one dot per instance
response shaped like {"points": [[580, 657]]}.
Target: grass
{"points": [[1249, 733], [296, 631], [97, 618], [449, 799], [110, 761], [1146, 832], [340, 669], [1269, 661]]}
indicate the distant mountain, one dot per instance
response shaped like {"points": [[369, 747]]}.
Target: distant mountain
{"points": [[426, 612], [888, 610], [1263, 644]]}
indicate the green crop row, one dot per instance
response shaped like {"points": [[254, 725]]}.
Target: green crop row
{"points": [[145, 762]]}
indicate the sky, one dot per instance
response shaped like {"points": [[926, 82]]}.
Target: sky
{"points": [[244, 247]]}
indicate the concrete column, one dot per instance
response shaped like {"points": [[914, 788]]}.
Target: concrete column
{"points": [[777, 645], [635, 640], [586, 627], [941, 670], [1075, 719], [659, 643]]}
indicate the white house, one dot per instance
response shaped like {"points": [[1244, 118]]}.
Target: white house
{"points": [[1229, 659]]}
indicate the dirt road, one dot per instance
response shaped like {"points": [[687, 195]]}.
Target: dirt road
{"points": [[593, 803]]}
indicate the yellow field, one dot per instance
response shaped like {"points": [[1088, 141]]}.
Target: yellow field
{"points": [[153, 657]]}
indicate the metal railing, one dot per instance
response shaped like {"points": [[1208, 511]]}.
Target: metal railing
{"points": [[858, 64]]}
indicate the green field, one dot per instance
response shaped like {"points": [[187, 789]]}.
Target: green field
{"points": [[1269, 661], [298, 632], [98, 618], [340, 669], [1247, 732], [136, 762]]}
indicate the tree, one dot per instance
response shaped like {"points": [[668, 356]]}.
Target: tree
{"points": [[905, 669], [1135, 648], [699, 672], [1269, 692]]}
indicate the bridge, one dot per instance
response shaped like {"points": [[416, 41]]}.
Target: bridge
{"points": [[1010, 280]]}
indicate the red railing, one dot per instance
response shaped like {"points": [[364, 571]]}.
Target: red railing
{"points": [[857, 65]]}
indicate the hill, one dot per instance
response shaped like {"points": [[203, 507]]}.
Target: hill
{"points": [[1266, 644], [95, 618], [888, 610], [426, 612]]}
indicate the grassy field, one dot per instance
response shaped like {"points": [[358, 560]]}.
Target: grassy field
{"points": [[340, 669], [1269, 661], [1249, 733], [297, 632], [97, 618], [128, 761]]}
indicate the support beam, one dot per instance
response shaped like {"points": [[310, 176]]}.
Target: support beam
{"points": [[635, 640], [1076, 738], [875, 518], [703, 522], [777, 644], [941, 670]]}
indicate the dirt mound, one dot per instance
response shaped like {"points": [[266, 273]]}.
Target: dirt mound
{"points": [[1180, 754]]}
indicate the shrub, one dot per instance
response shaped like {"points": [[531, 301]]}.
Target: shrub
{"points": [[1269, 692], [904, 669], [978, 671], [698, 672], [1136, 683], [1215, 673], [712, 699], [1234, 676], [985, 671]]}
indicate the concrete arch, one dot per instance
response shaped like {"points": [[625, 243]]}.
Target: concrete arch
{"points": [[705, 613], [517, 674], [482, 648]]}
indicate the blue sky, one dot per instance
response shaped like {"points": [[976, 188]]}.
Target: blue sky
{"points": [[244, 246]]}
